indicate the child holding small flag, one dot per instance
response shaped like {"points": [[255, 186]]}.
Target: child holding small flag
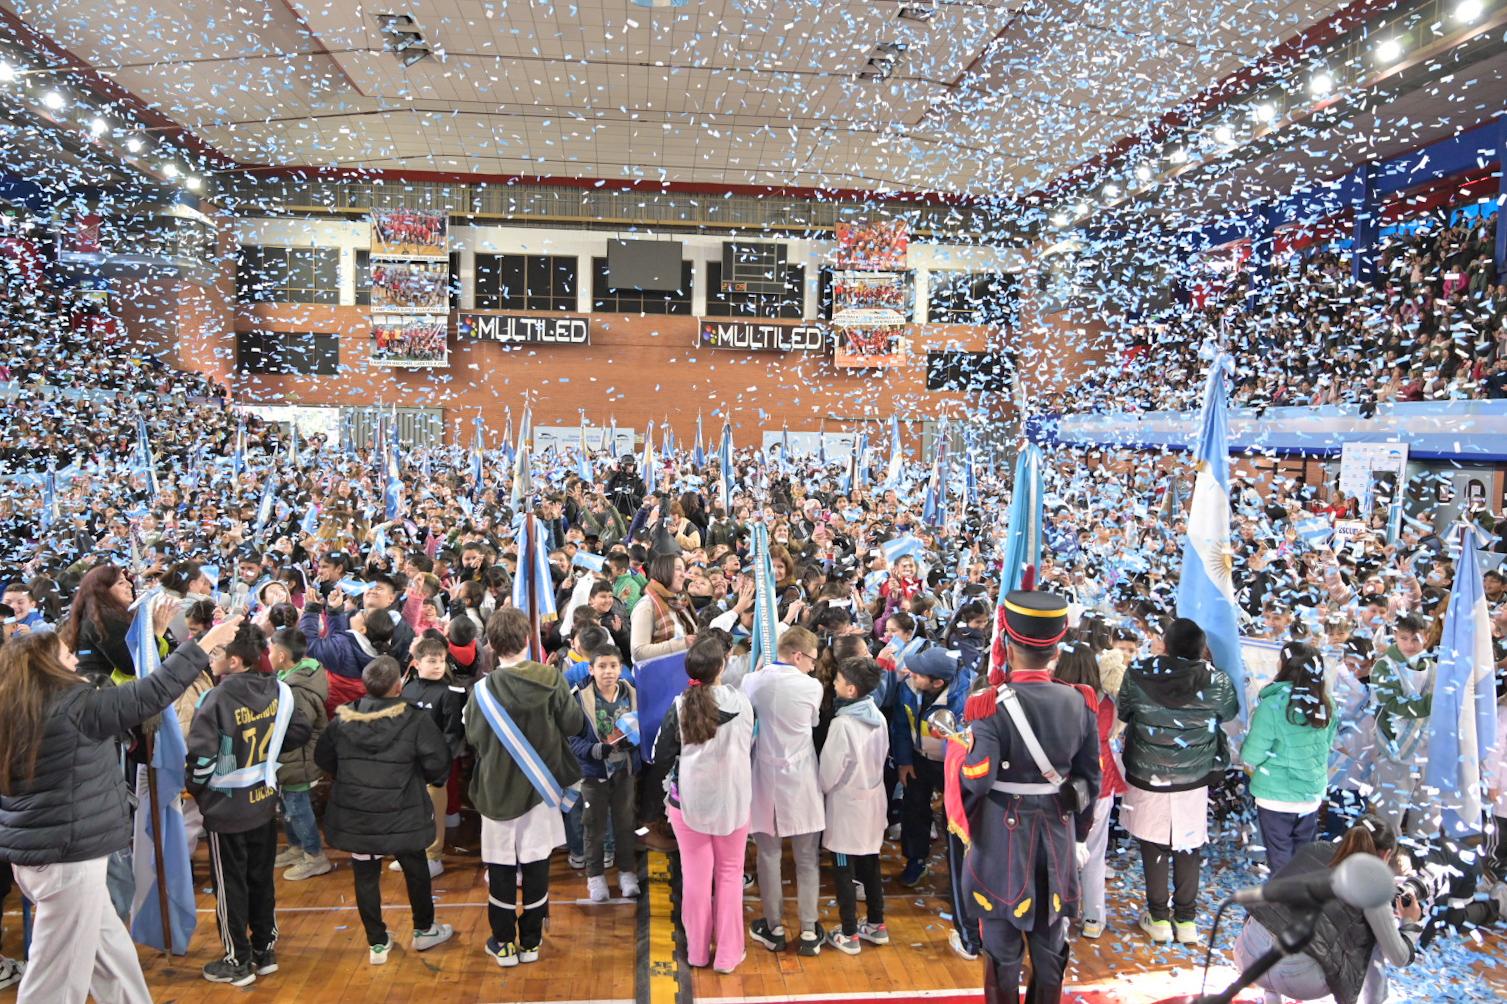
{"points": [[609, 759]]}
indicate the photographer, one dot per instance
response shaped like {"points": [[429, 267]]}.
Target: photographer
{"points": [[1350, 948]]}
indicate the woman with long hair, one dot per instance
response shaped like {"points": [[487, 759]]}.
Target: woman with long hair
{"points": [[1287, 752], [64, 806], [97, 625], [1078, 666], [706, 739], [1350, 949], [662, 623]]}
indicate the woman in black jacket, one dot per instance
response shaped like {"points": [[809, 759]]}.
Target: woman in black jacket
{"points": [[97, 625], [64, 810], [382, 752]]}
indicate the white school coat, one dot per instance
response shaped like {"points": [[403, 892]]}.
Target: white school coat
{"points": [[852, 778], [787, 795]]}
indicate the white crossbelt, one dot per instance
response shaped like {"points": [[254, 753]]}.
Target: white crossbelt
{"points": [[1024, 788]]}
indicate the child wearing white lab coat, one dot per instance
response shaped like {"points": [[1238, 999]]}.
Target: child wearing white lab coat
{"points": [[852, 780]]}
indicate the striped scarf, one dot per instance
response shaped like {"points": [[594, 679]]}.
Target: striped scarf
{"points": [[669, 608]]}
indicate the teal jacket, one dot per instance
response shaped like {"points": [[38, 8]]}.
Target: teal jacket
{"points": [[1290, 762]]}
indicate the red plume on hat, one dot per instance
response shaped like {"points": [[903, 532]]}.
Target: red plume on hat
{"points": [[980, 704]]}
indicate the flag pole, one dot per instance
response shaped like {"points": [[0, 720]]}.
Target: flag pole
{"points": [[155, 801]]}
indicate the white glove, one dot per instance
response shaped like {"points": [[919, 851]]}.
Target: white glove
{"points": [[1082, 852]]}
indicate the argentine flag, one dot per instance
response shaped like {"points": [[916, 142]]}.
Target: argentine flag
{"points": [[725, 462], [1463, 718], [583, 463], [892, 475], [1205, 589], [698, 453], [1023, 535], [766, 625], [650, 483]]}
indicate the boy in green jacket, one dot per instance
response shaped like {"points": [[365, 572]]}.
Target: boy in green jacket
{"points": [[1402, 685]]}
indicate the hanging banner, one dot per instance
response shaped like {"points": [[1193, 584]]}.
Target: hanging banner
{"points": [[877, 244], [410, 287], [862, 299], [759, 336], [1373, 472], [869, 348], [410, 341], [525, 329], [410, 233]]}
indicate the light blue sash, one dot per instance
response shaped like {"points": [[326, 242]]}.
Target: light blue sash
{"points": [[523, 753], [265, 772]]}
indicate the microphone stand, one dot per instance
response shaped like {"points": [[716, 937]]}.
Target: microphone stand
{"points": [[1290, 941]]}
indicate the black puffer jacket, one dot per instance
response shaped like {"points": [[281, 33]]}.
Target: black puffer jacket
{"points": [[382, 752], [76, 808], [1174, 708]]}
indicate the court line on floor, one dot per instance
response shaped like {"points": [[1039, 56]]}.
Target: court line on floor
{"points": [[668, 978], [873, 995]]}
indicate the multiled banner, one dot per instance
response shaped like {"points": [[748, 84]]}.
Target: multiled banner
{"points": [[525, 329], [756, 336]]}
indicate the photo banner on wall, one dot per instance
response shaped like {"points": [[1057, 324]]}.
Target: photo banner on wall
{"points": [[410, 287], [410, 233], [877, 245], [410, 341], [880, 347], [865, 299]]}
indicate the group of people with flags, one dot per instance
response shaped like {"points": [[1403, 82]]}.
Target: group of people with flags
{"points": [[699, 647]]}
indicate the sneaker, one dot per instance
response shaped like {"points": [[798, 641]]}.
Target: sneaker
{"points": [[608, 860], [265, 963], [1093, 929], [914, 874], [955, 942], [308, 868], [436, 868], [596, 888], [577, 861], [874, 934], [748, 881], [811, 941], [772, 938], [394, 866], [221, 971], [893, 833], [506, 955], [11, 971], [452, 820], [845, 943], [1498, 896], [1186, 932], [436, 935], [528, 954], [627, 884], [377, 954], [289, 857], [727, 970], [1159, 931]]}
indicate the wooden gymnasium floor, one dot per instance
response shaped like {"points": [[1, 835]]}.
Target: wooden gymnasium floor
{"points": [[592, 953]]}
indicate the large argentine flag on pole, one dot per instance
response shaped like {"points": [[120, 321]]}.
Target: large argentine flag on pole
{"points": [[892, 473], [725, 465], [1463, 716], [1205, 591]]}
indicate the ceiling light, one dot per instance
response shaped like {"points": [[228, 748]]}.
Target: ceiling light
{"points": [[390, 22], [54, 101], [405, 39], [1224, 135], [170, 171], [1468, 10], [1388, 50], [1320, 84], [414, 56], [7, 73], [1143, 172], [919, 12], [1111, 191], [193, 183], [1059, 219], [892, 48], [661, 3], [1178, 156], [1265, 112], [135, 144], [98, 126], [1081, 209]]}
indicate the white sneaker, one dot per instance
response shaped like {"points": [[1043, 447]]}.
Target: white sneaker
{"points": [[1093, 929], [436, 935], [308, 868], [596, 888], [893, 833], [576, 861], [955, 942], [528, 954], [436, 868], [377, 954], [11, 971], [627, 883], [394, 866], [289, 857]]}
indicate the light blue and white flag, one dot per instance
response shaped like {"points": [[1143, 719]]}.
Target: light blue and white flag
{"points": [[1314, 531], [50, 510], [1205, 589], [295, 455], [169, 753], [766, 625], [651, 482], [148, 461], [583, 460], [698, 453], [725, 464], [1463, 715], [1023, 533], [897, 458]]}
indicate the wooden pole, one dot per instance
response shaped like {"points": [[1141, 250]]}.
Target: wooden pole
{"points": [[155, 801]]}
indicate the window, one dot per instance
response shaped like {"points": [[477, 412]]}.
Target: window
{"points": [[287, 352], [454, 280], [972, 298], [525, 282], [788, 305], [363, 278], [633, 301], [968, 371], [287, 275]]}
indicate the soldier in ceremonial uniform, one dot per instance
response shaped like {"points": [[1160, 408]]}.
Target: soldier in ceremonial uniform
{"points": [[1020, 876]]}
